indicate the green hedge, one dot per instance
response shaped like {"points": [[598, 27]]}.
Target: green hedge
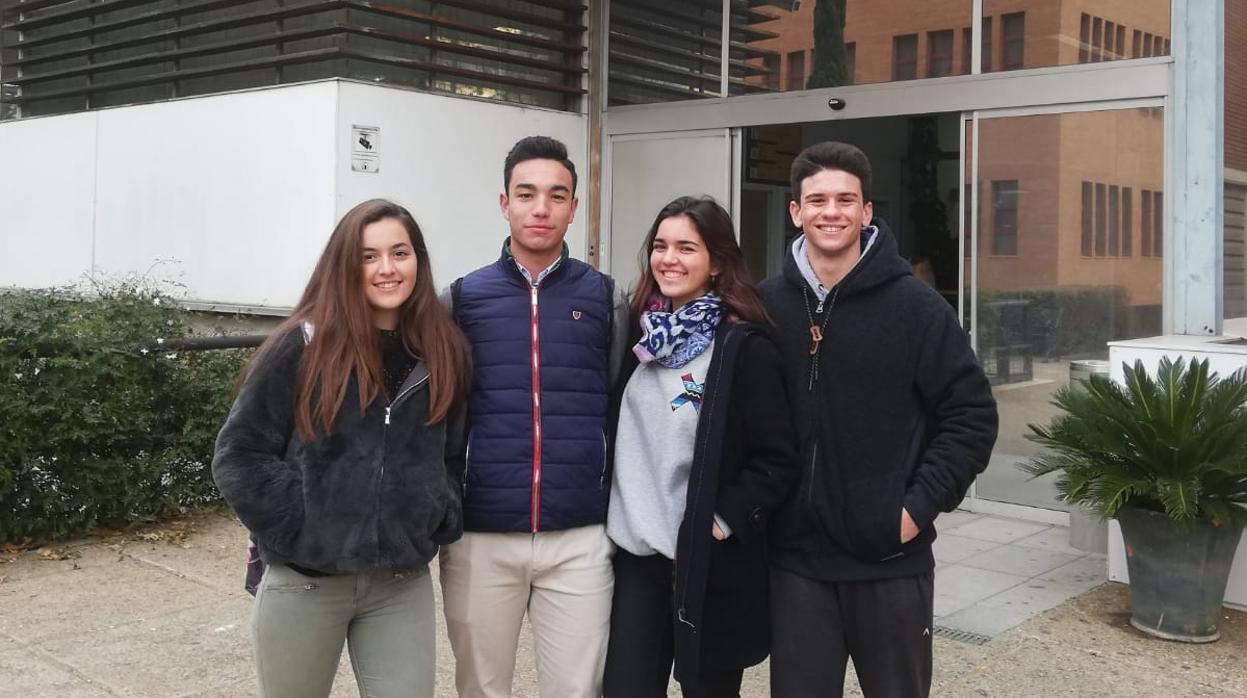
{"points": [[98, 425]]}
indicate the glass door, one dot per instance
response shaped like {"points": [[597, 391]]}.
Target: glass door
{"points": [[647, 171], [1064, 214]]}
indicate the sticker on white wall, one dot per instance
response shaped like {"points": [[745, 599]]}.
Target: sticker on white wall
{"points": [[365, 154]]}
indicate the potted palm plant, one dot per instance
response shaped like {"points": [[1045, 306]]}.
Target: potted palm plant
{"points": [[1166, 457]]}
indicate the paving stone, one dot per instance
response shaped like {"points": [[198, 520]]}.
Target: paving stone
{"points": [[1000, 530], [951, 521], [26, 673], [949, 548], [137, 657], [1014, 559], [99, 593], [1055, 539], [957, 586]]}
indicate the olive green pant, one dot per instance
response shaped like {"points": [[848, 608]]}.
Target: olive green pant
{"points": [[386, 619]]}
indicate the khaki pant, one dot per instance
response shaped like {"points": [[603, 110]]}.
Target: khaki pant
{"points": [[386, 620], [563, 579]]}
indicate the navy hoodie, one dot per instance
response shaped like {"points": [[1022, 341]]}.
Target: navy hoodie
{"points": [[899, 414]]}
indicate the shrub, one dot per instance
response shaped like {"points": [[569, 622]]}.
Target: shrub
{"points": [[99, 425]]}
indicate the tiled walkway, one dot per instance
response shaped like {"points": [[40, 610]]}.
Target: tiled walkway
{"points": [[992, 573]]}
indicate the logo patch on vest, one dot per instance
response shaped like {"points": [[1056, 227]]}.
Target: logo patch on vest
{"points": [[692, 394], [575, 314]]}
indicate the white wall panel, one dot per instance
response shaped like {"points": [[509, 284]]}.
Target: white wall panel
{"points": [[47, 192], [231, 195], [441, 157]]}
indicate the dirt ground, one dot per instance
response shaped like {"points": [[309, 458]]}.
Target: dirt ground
{"points": [[161, 613]]}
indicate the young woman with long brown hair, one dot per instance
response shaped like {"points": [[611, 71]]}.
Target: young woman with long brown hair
{"points": [[342, 455], [703, 452]]}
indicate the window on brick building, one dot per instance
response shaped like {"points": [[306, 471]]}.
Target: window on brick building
{"points": [[905, 57], [939, 53], [1088, 209], [1084, 38], [1114, 220], [1101, 219], [1005, 217], [796, 71], [850, 61], [1013, 41], [1158, 223], [987, 44], [1127, 221], [770, 63]]}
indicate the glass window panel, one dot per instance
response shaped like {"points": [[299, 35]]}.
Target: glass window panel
{"points": [[1235, 202], [847, 41], [1052, 302], [1041, 33]]}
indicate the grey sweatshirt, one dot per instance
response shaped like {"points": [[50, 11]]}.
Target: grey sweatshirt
{"points": [[653, 455]]}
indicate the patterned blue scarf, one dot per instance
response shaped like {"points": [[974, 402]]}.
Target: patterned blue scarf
{"points": [[674, 339]]}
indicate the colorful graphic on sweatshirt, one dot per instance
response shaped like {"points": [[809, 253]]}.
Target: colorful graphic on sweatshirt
{"points": [[691, 395]]}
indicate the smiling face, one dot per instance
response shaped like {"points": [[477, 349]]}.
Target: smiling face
{"points": [[539, 206], [832, 213], [388, 270], [680, 261]]}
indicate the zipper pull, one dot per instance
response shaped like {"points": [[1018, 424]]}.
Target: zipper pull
{"points": [[387, 415], [682, 616]]}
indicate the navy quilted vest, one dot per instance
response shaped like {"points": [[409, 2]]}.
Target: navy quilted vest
{"points": [[536, 458]]}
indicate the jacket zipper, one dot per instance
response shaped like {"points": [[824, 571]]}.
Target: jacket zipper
{"points": [[809, 496], [535, 518], [467, 459], [385, 433], [602, 479]]}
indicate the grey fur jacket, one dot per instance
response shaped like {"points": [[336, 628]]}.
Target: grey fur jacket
{"points": [[379, 493]]}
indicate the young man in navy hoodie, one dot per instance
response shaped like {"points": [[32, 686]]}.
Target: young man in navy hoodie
{"points": [[895, 419]]}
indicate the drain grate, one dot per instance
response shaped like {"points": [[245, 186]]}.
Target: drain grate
{"points": [[961, 635]]}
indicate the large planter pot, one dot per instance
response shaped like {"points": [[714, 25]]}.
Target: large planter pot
{"points": [[1177, 580]]}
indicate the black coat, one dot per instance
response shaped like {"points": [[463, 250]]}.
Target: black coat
{"points": [[900, 414], [379, 493], [744, 464]]}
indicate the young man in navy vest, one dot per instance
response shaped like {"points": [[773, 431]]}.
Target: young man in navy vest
{"points": [[895, 418], [536, 486]]}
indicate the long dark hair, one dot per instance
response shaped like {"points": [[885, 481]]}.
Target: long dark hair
{"points": [[732, 283], [345, 343]]}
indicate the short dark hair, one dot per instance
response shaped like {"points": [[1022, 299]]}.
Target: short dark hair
{"points": [[830, 155], [537, 148]]}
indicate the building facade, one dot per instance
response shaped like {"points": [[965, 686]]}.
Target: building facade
{"points": [[1053, 161]]}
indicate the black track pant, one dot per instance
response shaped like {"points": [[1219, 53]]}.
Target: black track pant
{"points": [[884, 625], [642, 642]]}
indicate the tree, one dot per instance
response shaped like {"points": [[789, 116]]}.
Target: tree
{"points": [[830, 67]]}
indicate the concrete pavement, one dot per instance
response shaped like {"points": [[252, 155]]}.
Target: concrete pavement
{"points": [[162, 614]]}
